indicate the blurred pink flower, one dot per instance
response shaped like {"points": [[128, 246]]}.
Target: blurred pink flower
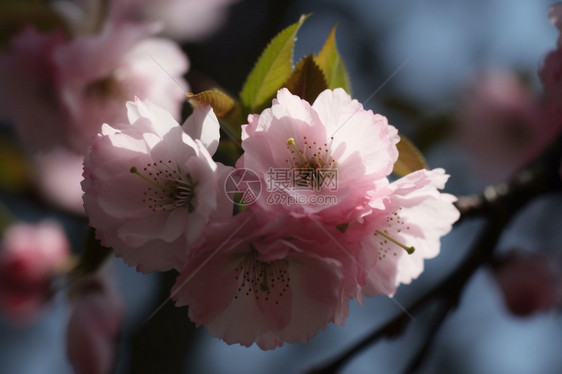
{"points": [[97, 74], [150, 189], [30, 256], [413, 216], [502, 125], [76, 85], [529, 283], [551, 77], [94, 325], [332, 148], [186, 20], [271, 280], [58, 174], [555, 17], [28, 80]]}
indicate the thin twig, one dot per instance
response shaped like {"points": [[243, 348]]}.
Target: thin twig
{"points": [[436, 322], [498, 204]]}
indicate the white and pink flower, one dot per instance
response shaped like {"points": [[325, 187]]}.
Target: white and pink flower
{"points": [[403, 229], [97, 74], [304, 152], [272, 280], [277, 278], [280, 273], [150, 189], [78, 84]]}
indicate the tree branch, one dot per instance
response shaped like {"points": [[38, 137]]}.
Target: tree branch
{"points": [[498, 204]]}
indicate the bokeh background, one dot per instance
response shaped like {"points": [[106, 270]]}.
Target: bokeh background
{"points": [[431, 51]]}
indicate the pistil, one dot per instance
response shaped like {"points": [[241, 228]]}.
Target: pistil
{"points": [[410, 250], [291, 143]]}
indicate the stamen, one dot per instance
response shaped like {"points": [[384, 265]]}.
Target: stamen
{"points": [[267, 281], [134, 170], [410, 250], [291, 143], [173, 189], [264, 286]]}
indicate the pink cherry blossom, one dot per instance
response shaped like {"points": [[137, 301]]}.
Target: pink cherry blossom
{"points": [[276, 278], [550, 73], [95, 324], [30, 255], [150, 189], [529, 283], [58, 174], [28, 80], [412, 215], [97, 74], [551, 77], [332, 148], [555, 17], [75, 85], [502, 125], [182, 19], [266, 281]]}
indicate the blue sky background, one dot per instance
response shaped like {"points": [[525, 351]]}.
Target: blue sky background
{"points": [[445, 44]]}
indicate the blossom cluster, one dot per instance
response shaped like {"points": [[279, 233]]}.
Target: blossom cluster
{"points": [[76, 78], [252, 271], [67, 67]]}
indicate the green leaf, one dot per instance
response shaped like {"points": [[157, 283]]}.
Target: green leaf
{"points": [[410, 158], [307, 80], [222, 103], [226, 109], [332, 65], [272, 69]]}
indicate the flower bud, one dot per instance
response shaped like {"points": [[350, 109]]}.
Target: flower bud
{"points": [[30, 256], [529, 283], [95, 325]]}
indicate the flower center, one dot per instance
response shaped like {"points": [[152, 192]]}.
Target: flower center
{"points": [[168, 187], [395, 225], [268, 281], [312, 163], [107, 87]]}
